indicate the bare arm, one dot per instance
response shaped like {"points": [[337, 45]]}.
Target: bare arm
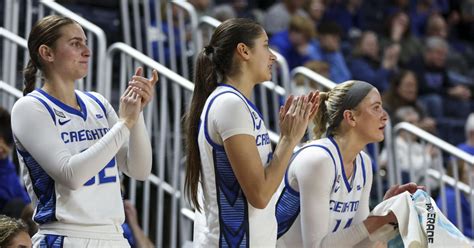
{"points": [[260, 183]]}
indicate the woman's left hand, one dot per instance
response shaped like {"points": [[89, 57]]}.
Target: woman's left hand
{"points": [[398, 189], [144, 87]]}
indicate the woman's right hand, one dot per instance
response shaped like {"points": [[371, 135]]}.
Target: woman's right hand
{"points": [[374, 222], [295, 115], [130, 107]]}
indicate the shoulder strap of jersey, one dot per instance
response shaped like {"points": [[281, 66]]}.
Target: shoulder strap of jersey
{"points": [[101, 105], [50, 110], [318, 146], [363, 167], [206, 132]]}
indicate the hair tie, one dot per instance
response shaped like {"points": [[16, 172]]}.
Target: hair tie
{"points": [[209, 49]]}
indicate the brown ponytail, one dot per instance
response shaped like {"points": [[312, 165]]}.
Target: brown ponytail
{"points": [[205, 81], [321, 119], [30, 77]]}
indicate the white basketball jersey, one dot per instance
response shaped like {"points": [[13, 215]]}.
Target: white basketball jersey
{"points": [[344, 196], [95, 207], [227, 219]]}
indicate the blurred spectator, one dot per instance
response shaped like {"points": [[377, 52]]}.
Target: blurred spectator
{"points": [[303, 85], [435, 88], [458, 55], [296, 44], [398, 31], [329, 40], [10, 186], [463, 173], [419, 15], [467, 19], [132, 230], [201, 6], [411, 156], [13, 233], [403, 92], [437, 26], [450, 201], [468, 145], [316, 9], [347, 15], [277, 17], [367, 65], [236, 9]]}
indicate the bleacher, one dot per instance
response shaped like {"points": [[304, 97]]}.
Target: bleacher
{"points": [[125, 34]]}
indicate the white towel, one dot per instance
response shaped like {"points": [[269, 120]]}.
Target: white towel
{"points": [[420, 223]]}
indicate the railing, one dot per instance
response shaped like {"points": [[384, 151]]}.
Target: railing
{"points": [[96, 36], [312, 75], [13, 92], [167, 146], [10, 63], [438, 172], [19, 27], [166, 33]]}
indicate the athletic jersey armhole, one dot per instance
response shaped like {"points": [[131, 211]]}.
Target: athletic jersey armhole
{"points": [[327, 151], [50, 110], [363, 167], [206, 131], [101, 105]]}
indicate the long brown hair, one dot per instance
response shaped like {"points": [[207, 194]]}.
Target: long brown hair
{"points": [[45, 32], [213, 64]]}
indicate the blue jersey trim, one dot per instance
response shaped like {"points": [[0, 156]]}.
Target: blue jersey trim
{"points": [[330, 154], [346, 181], [287, 210], [101, 105], [69, 109], [246, 99], [287, 207], [288, 186], [43, 186], [363, 167], [47, 107], [206, 131], [52, 241], [232, 204]]}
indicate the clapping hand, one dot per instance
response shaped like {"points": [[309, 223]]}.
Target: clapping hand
{"points": [[296, 114], [144, 87]]}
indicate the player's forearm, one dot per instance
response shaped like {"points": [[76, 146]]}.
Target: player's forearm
{"points": [[72, 171], [348, 237], [276, 169], [139, 158]]}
